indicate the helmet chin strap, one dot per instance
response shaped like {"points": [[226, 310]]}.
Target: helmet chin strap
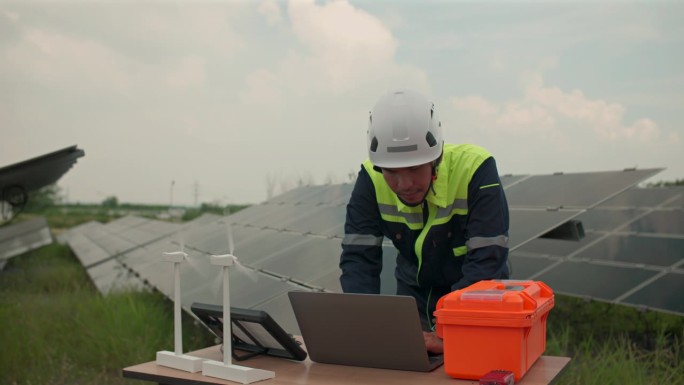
{"points": [[435, 163], [432, 182]]}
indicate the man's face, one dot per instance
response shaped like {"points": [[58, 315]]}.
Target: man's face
{"points": [[411, 184]]}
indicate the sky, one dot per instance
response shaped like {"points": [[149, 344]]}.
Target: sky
{"points": [[233, 102]]}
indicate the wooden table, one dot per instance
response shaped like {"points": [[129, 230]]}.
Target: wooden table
{"points": [[307, 372]]}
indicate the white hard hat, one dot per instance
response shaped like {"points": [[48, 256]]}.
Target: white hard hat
{"points": [[404, 130]]}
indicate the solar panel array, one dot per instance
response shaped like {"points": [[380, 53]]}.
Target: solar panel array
{"points": [[40, 171], [18, 179], [21, 237], [292, 242], [633, 252]]}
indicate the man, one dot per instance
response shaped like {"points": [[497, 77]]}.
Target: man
{"points": [[441, 205]]}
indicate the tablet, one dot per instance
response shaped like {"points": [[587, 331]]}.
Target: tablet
{"points": [[253, 332]]}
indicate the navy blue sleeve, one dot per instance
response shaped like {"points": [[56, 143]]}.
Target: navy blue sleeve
{"points": [[486, 228], [361, 259]]}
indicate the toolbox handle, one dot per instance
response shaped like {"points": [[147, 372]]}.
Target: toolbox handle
{"points": [[529, 303]]}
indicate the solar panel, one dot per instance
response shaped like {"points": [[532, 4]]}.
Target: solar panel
{"points": [[267, 244], [524, 267], [40, 171], [641, 250], [632, 246], [644, 197], [111, 276], [637, 235], [331, 195], [304, 260], [291, 197], [660, 222], [320, 220], [87, 251], [19, 179], [528, 224], [593, 280], [573, 190], [18, 238], [677, 202], [217, 240], [663, 293], [601, 219], [509, 180]]}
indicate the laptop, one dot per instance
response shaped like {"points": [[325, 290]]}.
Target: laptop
{"points": [[370, 330]]}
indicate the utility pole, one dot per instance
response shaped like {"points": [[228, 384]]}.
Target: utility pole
{"points": [[196, 188], [173, 182]]}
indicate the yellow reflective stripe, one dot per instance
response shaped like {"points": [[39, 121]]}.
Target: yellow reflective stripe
{"points": [[459, 207], [396, 219], [390, 213], [418, 247], [460, 251], [489, 185], [409, 217]]}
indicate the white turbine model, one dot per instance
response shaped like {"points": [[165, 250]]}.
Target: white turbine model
{"points": [[177, 359], [226, 370]]}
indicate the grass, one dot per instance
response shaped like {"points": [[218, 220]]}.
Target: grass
{"points": [[60, 330], [617, 360], [613, 344]]}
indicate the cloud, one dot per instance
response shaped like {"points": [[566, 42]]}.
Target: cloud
{"points": [[553, 112], [271, 10], [58, 59], [344, 47], [190, 72], [226, 93], [525, 118], [341, 49], [262, 87], [474, 104], [605, 119]]}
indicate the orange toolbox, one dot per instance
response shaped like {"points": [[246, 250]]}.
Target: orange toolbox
{"points": [[493, 325]]}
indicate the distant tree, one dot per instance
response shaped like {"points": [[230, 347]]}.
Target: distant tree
{"points": [[42, 199], [270, 185], [330, 179], [214, 208], [677, 182], [305, 179], [110, 202]]}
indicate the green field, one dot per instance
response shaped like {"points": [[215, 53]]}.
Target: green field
{"points": [[56, 328]]}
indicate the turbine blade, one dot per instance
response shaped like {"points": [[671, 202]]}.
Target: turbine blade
{"points": [[231, 246]]}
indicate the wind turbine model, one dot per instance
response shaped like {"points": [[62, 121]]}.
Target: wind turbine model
{"points": [[177, 359], [226, 370]]}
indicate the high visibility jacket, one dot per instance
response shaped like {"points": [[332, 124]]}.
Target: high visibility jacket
{"points": [[456, 237]]}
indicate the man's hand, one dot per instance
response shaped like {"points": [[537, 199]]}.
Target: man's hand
{"points": [[433, 343]]}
